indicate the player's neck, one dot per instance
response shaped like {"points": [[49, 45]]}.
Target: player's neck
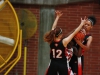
{"points": [[87, 33], [57, 39]]}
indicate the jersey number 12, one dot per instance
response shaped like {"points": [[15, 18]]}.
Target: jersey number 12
{"points": [[58, 52]]}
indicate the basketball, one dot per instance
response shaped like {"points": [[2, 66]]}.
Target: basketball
{"points": [[80, 36]]}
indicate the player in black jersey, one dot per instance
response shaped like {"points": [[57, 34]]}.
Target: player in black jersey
{"points": [[85, 45], [58, 64]]}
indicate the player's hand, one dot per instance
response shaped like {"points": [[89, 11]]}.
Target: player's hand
{"points": [[58, 13], [83, 31], [83, 21], [78, 41]]}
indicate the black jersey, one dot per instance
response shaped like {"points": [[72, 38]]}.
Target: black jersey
{"points": [[57, 51], [84, 41]]}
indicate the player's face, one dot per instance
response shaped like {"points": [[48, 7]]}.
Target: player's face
{"points": [[60, 36], [88, 25]]}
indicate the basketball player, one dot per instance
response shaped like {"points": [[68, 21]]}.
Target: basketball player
{"points": [[85, 45], [58, 44]]}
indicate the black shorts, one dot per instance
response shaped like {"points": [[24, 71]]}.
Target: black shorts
{"points": [[57, 67], [74, 63]]}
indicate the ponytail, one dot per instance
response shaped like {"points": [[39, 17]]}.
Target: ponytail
{"points": [[49, 36]]}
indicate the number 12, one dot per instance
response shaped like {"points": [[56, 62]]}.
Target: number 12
{"points": [[59, 52]]}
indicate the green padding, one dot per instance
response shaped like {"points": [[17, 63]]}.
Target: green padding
{"points": [[46, 21]]}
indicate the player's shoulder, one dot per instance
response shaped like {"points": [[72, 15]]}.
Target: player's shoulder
{"points": [[89, 38], [88, 35]]}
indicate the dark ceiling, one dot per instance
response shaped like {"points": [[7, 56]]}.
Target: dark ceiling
{"points": [[47, 2]]}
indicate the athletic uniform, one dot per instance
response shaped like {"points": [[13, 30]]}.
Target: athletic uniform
{"points": [[74, 62], [58, 64], [69, 54]]}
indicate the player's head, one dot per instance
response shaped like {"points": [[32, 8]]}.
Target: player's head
{"points": [[50, 36], [91, 20], [58, 32]]}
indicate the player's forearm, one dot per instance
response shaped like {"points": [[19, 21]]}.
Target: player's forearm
{"points": [[78, 28], [55, 23], [83, 46], [69, 38]]}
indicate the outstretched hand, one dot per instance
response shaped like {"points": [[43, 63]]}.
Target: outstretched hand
{"points": [[58, 13], [83, 21]]}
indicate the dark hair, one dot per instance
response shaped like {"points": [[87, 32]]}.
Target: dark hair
{"points": [[49, 36], [57, 31], [92, 19]]}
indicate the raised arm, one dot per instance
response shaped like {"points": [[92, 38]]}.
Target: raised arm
{"points": [[58, 15], [69, 38]]}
